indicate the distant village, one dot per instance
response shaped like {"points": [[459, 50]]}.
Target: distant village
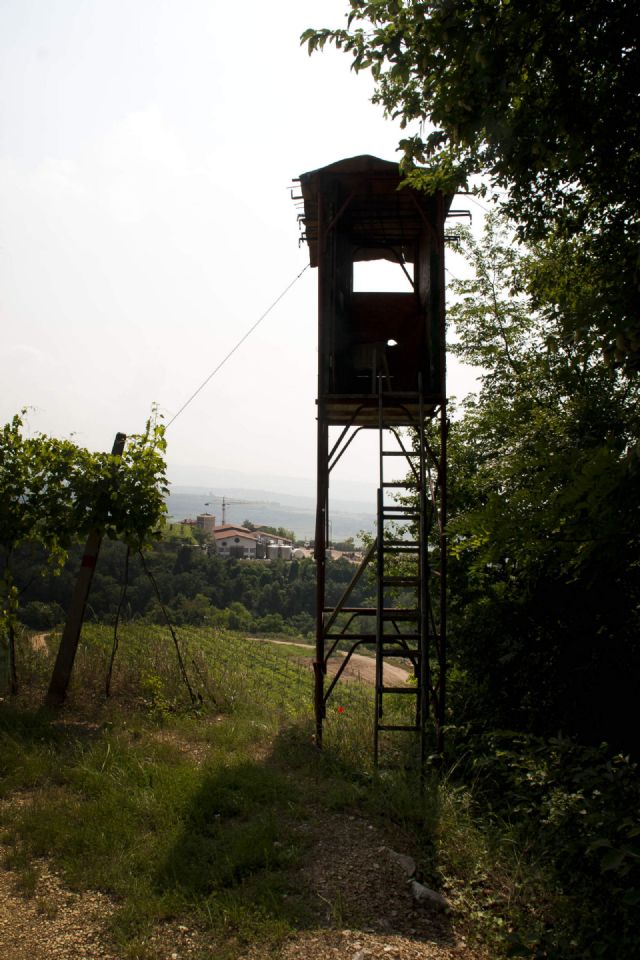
{"points": [[232, 540]]}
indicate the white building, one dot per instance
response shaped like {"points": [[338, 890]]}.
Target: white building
{"points": [[234, 541]]}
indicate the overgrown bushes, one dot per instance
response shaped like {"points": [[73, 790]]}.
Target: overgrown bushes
{"points": [[576, 811]]}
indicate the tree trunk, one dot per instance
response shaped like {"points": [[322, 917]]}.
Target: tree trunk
{"points": [[75, 617]]}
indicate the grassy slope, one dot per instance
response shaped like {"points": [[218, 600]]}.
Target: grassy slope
{"points": [[197, 815]]}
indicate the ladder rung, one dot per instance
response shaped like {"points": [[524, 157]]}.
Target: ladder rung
{"points": [[401, 653], [401, 581], [412, 690], [400, 484], [388, 613], [405, 544], [397, 613]]}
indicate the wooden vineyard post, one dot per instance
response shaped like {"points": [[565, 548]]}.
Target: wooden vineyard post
{"points": [[75, 616]]}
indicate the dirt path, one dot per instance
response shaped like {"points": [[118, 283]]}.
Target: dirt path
{"points": [[366, 911], [368, 908], [359, 667], [50, 922]]}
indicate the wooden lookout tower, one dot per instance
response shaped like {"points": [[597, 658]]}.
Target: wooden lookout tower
{"points": [[381, 366]]}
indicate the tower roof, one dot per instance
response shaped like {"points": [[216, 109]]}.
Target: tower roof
{"points": [[382, 219]]}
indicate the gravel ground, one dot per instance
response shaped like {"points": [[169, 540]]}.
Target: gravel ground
{"points": [[51, 923], [364, 908]]}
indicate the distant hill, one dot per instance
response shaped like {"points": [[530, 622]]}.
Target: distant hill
{"points": [[273, 509]]}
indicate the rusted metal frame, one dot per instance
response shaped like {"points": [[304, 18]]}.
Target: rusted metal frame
{"points": [[379, 674], [360, 637], [435, 487], [390, 248], [402, 643], [438, 491], [344, 635], [319, 666], [390, 245], [416, 474], [342, 667], [402, 406], [350, 586], [390, 395], [352, 617], [334, 462], [434, 626], [400, 638], [342, 209], [407, 274], [435, 458], [392, 398], [436, 639], [435, 676], [358, 611], [436, 681], [444, 431], [432, 233], [322, 497], [396, 399], [369, 638], [339, 440]]}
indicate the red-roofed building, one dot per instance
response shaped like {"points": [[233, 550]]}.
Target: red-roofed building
{"points": [[232, 540]]}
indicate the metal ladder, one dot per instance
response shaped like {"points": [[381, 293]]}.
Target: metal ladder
{"points": [[411, 629], [405, 625]]}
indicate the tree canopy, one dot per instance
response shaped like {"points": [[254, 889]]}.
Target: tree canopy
{"points": [[53, 492], [542, 101], [544, 483]]}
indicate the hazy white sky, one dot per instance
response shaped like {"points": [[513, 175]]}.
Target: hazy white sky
{"points": [[146, 150]]}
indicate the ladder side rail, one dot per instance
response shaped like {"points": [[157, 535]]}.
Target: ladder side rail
{"points": [[379, 581]]}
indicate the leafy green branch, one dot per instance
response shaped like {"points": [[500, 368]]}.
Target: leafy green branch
{"points": [[54, 492]]}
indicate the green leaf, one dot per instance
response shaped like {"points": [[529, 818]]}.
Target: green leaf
{"points": [[612, 860]]}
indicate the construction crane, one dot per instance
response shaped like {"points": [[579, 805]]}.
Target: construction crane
{"points": [[226, 501]]}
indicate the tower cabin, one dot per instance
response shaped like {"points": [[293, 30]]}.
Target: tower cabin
{"points": [[376, 350]]}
